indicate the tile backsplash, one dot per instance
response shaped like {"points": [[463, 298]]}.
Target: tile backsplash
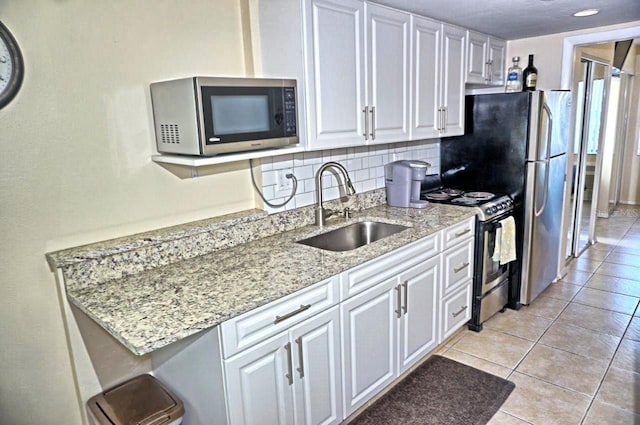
{"points": [[365, 166]]}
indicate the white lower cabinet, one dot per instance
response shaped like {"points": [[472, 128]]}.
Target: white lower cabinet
{"points": [[419, 325], [455, 310], [293, 377], [369, 343], [387, 329], [257, 387]]}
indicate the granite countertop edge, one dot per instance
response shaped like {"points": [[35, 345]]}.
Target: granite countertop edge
{"points": [[155, 308]]}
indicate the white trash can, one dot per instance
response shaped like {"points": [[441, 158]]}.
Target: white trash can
{"points": [[142, 400]]}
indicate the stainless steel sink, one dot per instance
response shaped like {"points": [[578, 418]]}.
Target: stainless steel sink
{"points": [[353, 236]]}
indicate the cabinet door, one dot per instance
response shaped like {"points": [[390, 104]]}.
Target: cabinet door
{"points": [[336, 88], [419, 325], [317, 369], [497, 53], [369, 322], [388, 73], [477, 56], [453, 66], [258, 391], [425, 77]]}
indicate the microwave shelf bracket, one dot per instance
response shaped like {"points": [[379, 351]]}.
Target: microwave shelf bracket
{"points": [[185, 166]]}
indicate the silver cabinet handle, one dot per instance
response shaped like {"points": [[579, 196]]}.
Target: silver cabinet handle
{"points": [[373, 123], [406, 296], [366, 123], [439, 119], [490, 70], [289, 375], [464, 266], [399, 310], [300, 357], [459, 312], [444, 121], [302, 308], [464, 232], [487, 67]]}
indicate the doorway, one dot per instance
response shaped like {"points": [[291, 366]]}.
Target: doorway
{"points": [[591, 87]]}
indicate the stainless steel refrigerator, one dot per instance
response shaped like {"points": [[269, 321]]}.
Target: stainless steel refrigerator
{"points": [[516, 143], [546, 165]]}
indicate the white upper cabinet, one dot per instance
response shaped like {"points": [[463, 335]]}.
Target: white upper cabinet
{"points": [[453, 63], [335, 72], [388, 73], [497, 60], [425, 82], [477, 56], [485, 59], [353, 101], [437, 85]]}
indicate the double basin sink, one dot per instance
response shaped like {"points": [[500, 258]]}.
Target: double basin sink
{"points": [[353, 236]]}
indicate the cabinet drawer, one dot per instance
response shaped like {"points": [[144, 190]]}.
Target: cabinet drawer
{"points": [[379, 269], [455, 310], [457, 266], [458, 233], [261, 323]]}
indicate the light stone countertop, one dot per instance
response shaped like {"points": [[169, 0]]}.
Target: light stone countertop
{"points": [[151, 309]]}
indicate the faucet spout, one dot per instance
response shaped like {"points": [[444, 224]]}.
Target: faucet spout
{"points": [[321, 213]]}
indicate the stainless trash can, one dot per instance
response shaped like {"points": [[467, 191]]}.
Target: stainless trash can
{"points": [[142, 400]]}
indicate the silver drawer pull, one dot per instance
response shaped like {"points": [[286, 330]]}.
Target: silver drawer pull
{"points": [[464, 266], [464, 232], [302, 308], [459, 312]]}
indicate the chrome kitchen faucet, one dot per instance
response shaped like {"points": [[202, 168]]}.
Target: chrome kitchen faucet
{"points": [[321, 213]]}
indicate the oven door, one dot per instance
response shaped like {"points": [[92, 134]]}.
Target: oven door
{"points": [[492, 271]]}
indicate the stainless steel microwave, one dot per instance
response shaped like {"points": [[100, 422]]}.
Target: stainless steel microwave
{"points": [[207, 116]]}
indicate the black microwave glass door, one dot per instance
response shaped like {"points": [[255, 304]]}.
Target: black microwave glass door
{"points": [[237, 114]]}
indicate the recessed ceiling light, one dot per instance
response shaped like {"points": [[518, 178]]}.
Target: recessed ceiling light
{"points": [[586, 12]]}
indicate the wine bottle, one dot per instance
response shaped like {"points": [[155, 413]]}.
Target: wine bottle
{"points": [[514, 76], [529, 76]]}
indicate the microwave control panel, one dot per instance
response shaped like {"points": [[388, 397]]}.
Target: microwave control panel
{"points": [[290, 111]]}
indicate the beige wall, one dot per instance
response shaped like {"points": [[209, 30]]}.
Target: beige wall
{"points": [[75, 164], [547, 51]]}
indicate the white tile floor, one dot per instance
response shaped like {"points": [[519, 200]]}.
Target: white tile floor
{"points": [[574, 353]]}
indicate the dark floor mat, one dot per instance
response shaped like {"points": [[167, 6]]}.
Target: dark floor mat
{"points": [[440, 392]]}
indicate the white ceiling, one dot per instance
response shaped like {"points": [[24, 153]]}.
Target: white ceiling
{"points": [[513, 19]]}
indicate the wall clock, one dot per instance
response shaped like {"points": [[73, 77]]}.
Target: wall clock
{"points": [[11, 66]]}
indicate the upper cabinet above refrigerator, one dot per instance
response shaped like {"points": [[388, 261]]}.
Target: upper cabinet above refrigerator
{"points": [[485, 59]]}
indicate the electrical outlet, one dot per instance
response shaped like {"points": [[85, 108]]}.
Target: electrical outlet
{"points": [[284, 183]]}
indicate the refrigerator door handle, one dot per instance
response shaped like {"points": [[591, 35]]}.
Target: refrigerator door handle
{"points": [[546, 161], [545, 107]]}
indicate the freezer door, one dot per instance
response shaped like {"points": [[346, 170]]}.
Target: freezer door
{"points": [[550, 124], [559, 103], [543, 219]]}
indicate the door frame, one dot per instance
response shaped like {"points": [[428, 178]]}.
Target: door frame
{"points": [[566, 83]]}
